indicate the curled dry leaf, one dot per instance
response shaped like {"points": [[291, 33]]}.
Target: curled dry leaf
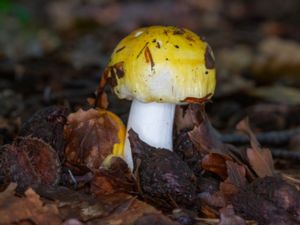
{"points": [[215, 163], [91, 136], [29, 208], [48, 125], [260, 159], [165, 179], [236, 174], [186, 117], [268, 200], [204, 138], [116, 177], [228, 217], [29, 162]]}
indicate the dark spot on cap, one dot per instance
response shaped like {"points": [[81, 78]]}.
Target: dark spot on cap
{"points": [[112, 80], [154, 40], [179, 31], [190, 38], [119, 69], [140, 52], [209, 60], [120, 49], [167, 59], [157, 45], [206, 72], [148, 57], [176, 46]]}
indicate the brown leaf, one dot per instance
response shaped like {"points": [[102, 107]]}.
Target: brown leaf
{"points": [[215, 163], [48, 125], [116, 178], [186, 117], [260, 159], [14, 209], [204, 138], [117, 208], [236, 174], [165, 180], [30, 162], [228, 217], [90, 137]]}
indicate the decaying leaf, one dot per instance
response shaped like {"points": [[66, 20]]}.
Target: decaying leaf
{"points": [[30, 162], [215, 163], [29, 208], [117, 208], [48, 125], [116, 178], [260, 159], [204, 138], [90, 137], [165, 179], [277, 58], [236, 174], [268, 200], [186, 117], [277, 94], [228, 217]]}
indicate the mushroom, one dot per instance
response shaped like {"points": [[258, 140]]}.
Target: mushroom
{"points": [[157, 68]]}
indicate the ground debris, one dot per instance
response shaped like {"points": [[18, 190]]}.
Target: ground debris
{"points": [[166, 181], [30, 208], [90, 137]]}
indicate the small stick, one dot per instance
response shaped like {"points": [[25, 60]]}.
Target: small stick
{"points": [[269, 138], [285, 154]]}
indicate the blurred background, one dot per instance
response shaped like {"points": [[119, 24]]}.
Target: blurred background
{"points": [[53, 52]]}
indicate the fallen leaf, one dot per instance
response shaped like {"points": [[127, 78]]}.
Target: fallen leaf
{"points": [[236, 174], [165, 180], [228, 217], [277, 58], [117, 177], [91, 136], [277, 94], [14, 209], [216, 164], [48, 125], [29, 162], [260, 159], [205, 139]]}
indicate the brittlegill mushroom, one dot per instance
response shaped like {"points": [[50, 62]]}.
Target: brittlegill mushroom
{"points": [[158, 67]]}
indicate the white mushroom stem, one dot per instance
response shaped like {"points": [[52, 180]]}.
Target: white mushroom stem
{"points": [[153, 122]]}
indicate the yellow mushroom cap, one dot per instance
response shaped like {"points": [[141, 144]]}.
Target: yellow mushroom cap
{"points": [[162, 64]]}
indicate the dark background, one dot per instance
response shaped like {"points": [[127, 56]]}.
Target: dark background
{"points": [[53, 52]]}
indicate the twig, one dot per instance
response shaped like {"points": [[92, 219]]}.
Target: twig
{"points": [[285, 154], [267, 138]]}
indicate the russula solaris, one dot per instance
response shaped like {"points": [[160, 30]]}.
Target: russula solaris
{"points": [[158, 67]]}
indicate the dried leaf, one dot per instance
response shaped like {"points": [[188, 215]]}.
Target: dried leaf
{"points": [[14, 209], [165, 179], [215, 163], [228, 217], [268, 200], [48, 125], [30, 162], [236, 174], [118, 208], [91, 136], [278, 94], [270, 65], [186, 117], [116, 178], [205, 139], [260, 159]]}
